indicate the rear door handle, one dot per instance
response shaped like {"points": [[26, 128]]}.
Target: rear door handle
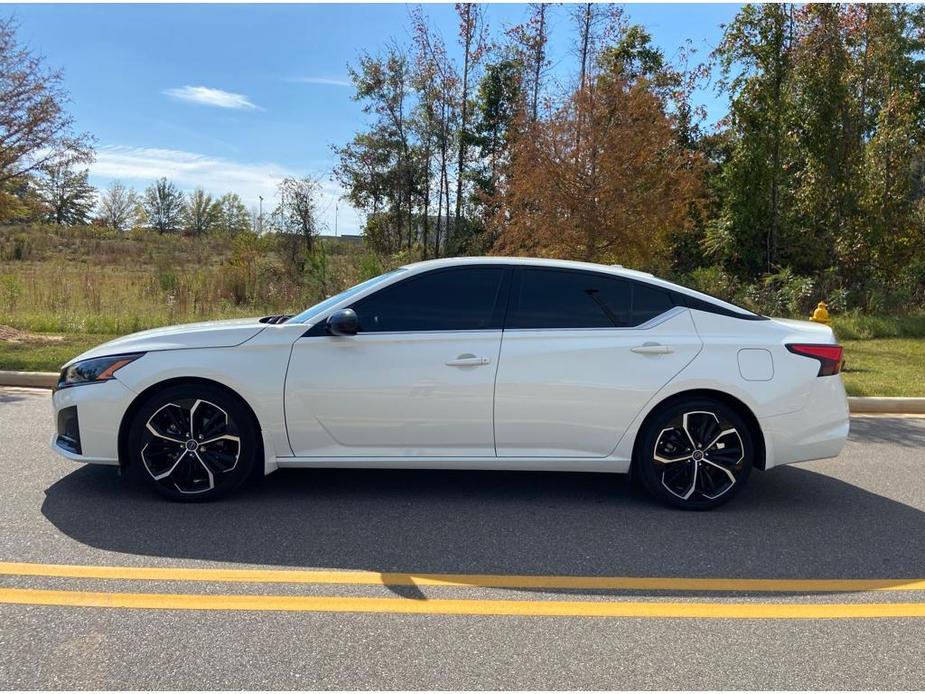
{"points": [[652, 348], [468, 360]]}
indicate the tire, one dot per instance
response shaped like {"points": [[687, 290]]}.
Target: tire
{"points": [[695, 454], [193, 442]]}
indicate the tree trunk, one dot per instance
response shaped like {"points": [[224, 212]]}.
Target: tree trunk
{"points": [[538, 56], [464, 115]]}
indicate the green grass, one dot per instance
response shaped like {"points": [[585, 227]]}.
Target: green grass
{"points": [[36, 355], [885, 367], [858, 326]]}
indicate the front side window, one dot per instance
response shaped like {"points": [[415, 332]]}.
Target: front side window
{"points": [[457, 299], [319, 308], [573, 299]]}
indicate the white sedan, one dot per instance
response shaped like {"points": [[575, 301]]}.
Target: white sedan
{"points": [[467, 363]]}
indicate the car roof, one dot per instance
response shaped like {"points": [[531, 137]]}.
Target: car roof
{"points": [[617, 270]]}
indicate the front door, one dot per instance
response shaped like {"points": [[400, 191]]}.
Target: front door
{"points": [[416, 380]]}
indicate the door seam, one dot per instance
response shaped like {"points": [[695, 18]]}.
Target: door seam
{"points": [[494, 389]]}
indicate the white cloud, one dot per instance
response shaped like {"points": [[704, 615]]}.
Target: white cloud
{"points": [[322, 80], [212, 97], [139, 166]]}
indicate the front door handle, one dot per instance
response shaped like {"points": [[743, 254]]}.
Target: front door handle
{"points": [[652, 348], [468, 360]]}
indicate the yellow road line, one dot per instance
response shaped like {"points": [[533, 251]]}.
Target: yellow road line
{"points": [[526, 608], [458, 580]]}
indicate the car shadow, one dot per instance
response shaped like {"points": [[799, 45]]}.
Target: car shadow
{"points": [[788, 523], [10, 396], [896, 431]]}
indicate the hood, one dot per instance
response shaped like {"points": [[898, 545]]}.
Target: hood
{"points": [[222, 333]]}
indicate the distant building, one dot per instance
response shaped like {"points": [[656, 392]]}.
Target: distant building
{"points": [[349, 238]]}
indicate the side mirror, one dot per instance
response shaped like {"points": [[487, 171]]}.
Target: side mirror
{"points": [[343, 322]]}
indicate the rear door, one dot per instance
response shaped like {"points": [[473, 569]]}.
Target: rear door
{"points": [[582, 353]]}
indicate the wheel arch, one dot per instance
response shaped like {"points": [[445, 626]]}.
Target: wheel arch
{"points": [[151, 390], [738, 405]]}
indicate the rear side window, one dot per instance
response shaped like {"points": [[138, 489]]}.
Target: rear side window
{"points": [[648, 302], [573, 299], [458, 299]]}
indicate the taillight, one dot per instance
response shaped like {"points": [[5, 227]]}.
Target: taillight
{"points": [[828, 356]]}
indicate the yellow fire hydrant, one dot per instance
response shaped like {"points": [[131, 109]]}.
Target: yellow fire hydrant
{"points": [[821, 314]]}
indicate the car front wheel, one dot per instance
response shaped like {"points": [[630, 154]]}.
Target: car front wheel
{"points": [[193, 442], [695, 454]]}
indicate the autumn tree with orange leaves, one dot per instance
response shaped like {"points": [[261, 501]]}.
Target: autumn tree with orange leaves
{"points": [[604, 178]]}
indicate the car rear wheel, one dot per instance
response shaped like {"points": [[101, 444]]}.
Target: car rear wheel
{"points": [[193, 442], [695, 454]]}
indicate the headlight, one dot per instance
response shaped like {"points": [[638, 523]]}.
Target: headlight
{"points": [[94, 370]]}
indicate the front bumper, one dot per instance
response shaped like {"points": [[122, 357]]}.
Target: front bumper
{"points": [[100, 408]]}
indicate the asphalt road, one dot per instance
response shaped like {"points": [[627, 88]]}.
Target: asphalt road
{"points": [[860, 516]]}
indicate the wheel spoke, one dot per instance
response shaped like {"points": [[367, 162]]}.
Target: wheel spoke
{"points": [[672, 446], [716, 480], [170, 467], [192, 476], [721, 434], [180, 425], [155, 432], [223, 437], [680, 479], [221, 461]]}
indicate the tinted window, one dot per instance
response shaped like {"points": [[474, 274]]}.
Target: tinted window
{"points": [[648, 302], [457, 299], [568, 299]]}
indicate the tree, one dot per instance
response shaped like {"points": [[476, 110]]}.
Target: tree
{"points": [[19, 201], [436, 81], [66, 194], [163, 204], [381, 169], [826, 135], [471, 37], [119, 207], [232, 216], [498, 105], [297, 212], [618, 197], [529, 47], [200, 212], [756, 59], [36, 132]]}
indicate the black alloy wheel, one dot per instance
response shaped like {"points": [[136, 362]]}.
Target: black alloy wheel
{"points": [[695, 454], [193, 442]]}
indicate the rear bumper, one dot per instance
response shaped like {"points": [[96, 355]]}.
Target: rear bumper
{"points": [[818, 430]]}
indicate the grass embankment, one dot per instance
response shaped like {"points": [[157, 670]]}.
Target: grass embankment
{"points": [[45, 352], [86, 286], [892, 367], [884, 355], [66, 290]]}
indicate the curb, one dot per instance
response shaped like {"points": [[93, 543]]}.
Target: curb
{"points": [[28, 379], [856, 405], [874, 405]]}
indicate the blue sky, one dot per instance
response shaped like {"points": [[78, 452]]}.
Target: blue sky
{"points": [[234, 97]]}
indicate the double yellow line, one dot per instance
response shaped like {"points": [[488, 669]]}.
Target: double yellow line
{"points": [[571, 608]]}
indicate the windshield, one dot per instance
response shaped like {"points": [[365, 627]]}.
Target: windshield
{"points": [[310, 313]]}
